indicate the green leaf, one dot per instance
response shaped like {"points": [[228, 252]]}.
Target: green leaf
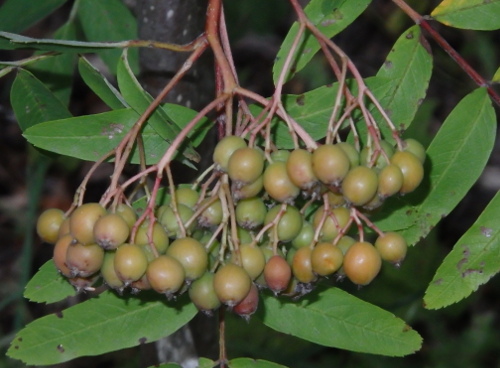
{"points": [[205, 363], [330, 17], [109, 20], [100, 85], [496, 76], [252, 363], [469, 14], [140, 100], [105, 323], [17, 15], [456, 159], [167, 365], [182, 115], [408, 67], [57, 72], [90, 137], [11, 41], [48, 286], [33, 102], [474, 260], [335, 318]]}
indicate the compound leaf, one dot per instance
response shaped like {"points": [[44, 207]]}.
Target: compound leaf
{"points": [[330, 17], [469, 14], [105, 323], [474, 260], [336, 318], [455, 161], [109, 20], [48, 285], [33, 103]]}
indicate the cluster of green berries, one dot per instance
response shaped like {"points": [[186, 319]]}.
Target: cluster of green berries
{"points": [[288, 226]]}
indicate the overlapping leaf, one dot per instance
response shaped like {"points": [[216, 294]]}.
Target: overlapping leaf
{"points": [[139, 100], [473, 261], [17, 15], [100, 85], [330, 17], [33, 102], [48, 285], [456, 158], [105, 323], [469, 14], [57, 72], [109, 20], [336, 318]]}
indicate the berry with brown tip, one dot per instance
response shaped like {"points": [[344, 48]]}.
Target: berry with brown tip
{"points": [[84, 260], [110, 231], [249, 304], [231, 284], [212, 215], [392, 247], [277, 274], [165, 275], [130, 262], [247, 190], [108, 272], [245, 165], [250, 213]]}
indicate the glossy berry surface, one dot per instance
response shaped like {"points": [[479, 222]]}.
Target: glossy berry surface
{"points": [[110, 231], [225, 149], [231, 284], [130, 262], [288, 225], [412, 169], [165, 275], [330, 164], [250, 213], [360, 185], [49, 223], [252, 260], [326, 259], [278, 184], [390, 181], [59, 254], [202, 293], [191, 254], [277, 273], [392, 247], [245, 165], [299, 169], [302, 266], [249, 304], [82, 221], [84, 260], [362, 263]]}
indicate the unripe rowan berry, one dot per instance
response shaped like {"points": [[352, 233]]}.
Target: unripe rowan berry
{"points": [[82, 221], [288, 226], [245, 165], [130, 262], [326, 259], [360, 185], [249, 304], [231, 284], [250, 212], [84, 260], [191, 254], [49, 223], [110, 231], [225, 149], [330, 164], [392, 247], [301, 265], [202, 293], [412, 169], [299, 169], [277, 273], [165, 275], [277, 183], [362, 263]]}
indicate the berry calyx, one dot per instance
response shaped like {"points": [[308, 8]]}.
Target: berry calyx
{"points": [[231, 284]]}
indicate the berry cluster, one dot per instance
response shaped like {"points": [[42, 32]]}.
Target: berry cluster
{"points": [[279, 220]]}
